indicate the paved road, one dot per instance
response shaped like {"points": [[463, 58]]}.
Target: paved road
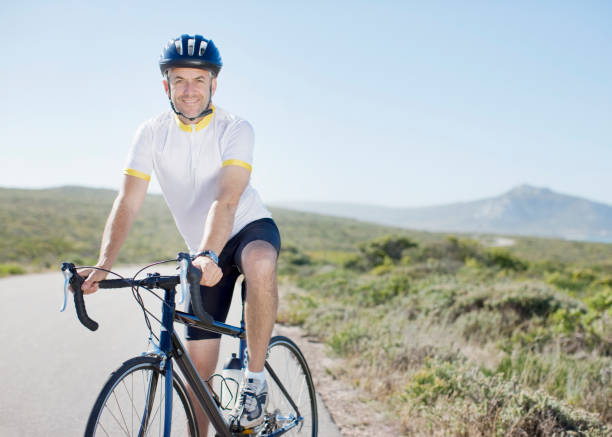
{"points": [[52, 367]]}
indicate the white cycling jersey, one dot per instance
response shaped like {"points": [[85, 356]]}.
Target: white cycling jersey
{"points": [[187, 159]]}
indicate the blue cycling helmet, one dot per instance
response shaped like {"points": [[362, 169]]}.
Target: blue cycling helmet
{"points": [[191, 52]]}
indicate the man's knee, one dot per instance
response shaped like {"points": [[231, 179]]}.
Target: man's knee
{"points": [[259, 261]]}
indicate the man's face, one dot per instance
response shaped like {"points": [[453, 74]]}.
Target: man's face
{"points": [[190, 89]]}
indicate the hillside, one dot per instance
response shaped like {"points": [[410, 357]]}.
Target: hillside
{"points": [[41, 227], [524, 210]]}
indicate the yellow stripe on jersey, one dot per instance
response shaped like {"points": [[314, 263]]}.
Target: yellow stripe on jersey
{"points": [[184, 127], [199, 125], [238, 163], [136, 173]]}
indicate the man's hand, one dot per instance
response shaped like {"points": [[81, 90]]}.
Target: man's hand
{"points": [[91, 283], [211, 272]]}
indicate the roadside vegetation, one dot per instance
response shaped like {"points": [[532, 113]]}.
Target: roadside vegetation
{"points": [[450, 334], [456, 338]]}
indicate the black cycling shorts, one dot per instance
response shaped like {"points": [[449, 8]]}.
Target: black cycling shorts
{"points": [[217, 299]]}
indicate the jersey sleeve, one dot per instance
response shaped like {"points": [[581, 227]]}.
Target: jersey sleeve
{"points": [[139, 162], [238, 147]]}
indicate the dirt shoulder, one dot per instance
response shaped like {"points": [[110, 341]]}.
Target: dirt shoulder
{"points": [[348, 406]]}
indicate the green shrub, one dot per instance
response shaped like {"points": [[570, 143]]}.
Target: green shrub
{"points": [[535, 338], [578, 280], [460, 399], [375, 252], [297, 308], [586, 382], [568, 320], [527, 301], [589, 329], [329, 281], [501, 258], [436, 379], [605, 281], [452, 248], [355, 262], [383, 290], [11, 269], [292, 255], [348, 339], [601, 301]]}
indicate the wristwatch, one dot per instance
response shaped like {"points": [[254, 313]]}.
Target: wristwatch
{"points": [[208, 253]]}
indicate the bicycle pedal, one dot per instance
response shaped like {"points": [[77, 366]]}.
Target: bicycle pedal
{"points": [[249, 431]]}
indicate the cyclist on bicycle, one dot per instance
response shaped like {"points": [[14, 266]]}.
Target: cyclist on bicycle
{"points": [[202, 157]]}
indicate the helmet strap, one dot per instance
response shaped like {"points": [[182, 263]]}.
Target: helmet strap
{"points": [[204, 113]]}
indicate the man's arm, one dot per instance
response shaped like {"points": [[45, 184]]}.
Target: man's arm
{"points": [[122, 215], [220, 220]]}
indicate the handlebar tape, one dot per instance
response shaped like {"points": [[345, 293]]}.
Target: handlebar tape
{"points": [[114, 283], [75, 282], [194, 275]]}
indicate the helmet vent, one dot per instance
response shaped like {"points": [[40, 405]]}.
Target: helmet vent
{"points": [[190, 51], [203, 45]]}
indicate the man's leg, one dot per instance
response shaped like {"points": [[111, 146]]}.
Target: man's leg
{"points": [[259, 267], [258, 261], [204, 354]]}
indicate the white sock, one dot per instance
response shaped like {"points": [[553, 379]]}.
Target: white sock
{"points": [[259, 377]]}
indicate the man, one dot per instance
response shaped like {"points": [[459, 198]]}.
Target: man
{"points": [[202, 158]]}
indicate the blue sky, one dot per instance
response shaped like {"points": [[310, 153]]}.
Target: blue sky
{"points": [[393, 103]]}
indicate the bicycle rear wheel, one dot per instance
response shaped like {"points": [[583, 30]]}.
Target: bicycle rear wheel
{"points": [[132, 403], [297, 406]]}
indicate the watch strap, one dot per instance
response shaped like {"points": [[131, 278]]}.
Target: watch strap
{"points": [[209, 254]]}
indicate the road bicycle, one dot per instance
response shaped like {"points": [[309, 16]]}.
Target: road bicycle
{"points": [[147, 396]]}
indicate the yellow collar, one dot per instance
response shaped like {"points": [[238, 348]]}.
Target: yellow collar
{"points": [[199, 126]]}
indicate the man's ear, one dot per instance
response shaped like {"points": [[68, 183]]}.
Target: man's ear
{"points": [[166, 89]]}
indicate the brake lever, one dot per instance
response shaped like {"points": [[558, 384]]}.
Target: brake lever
{"points": [[67, 276], [73, 278], [184, 264]]}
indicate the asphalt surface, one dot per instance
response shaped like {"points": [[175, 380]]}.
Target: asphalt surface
{"points": [[53, 368]]}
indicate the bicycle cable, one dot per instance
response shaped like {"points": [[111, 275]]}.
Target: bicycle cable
{"points": [[137, 296], [135, 289]]}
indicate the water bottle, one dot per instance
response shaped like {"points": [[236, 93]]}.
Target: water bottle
{"points": [[232, 375]]}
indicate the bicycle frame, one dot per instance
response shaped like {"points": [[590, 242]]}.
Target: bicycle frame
{"points": [[172, 349]]}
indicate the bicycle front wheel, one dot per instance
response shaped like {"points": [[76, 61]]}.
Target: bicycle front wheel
{"points": [[132, 403], [292, 402]]}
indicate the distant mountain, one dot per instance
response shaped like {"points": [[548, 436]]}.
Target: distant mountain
{"points": [[524, 210]]}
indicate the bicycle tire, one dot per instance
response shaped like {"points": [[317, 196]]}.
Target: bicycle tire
{"points": [[290, 366], [117, 410]]}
